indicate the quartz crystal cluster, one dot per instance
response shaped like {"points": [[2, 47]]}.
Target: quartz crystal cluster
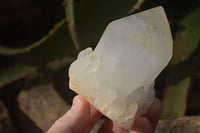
{"points": [[118, 77]]}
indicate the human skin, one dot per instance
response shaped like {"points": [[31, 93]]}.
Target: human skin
{"points": [[82, 117]]}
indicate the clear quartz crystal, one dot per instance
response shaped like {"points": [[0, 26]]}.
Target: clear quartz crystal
{"points": [[118, 77]]}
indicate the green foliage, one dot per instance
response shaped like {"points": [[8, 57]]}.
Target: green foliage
{"points": [[69, 9], [57, 45], [13, 51], [90, 21], [187, 41], [15, 72], [92, 17], [44, 52], [181, 69]]}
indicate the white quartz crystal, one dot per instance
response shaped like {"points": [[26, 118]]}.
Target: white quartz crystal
{"points": [[118, 77]]}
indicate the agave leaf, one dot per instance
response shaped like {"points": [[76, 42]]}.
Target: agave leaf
{"points": [[92, 17], [182, 66], [13, 51], [58, 35], [171, 110], [188, 40], [20, 70], [69, 9], [15, 72], [57, 45], [91, 20]]}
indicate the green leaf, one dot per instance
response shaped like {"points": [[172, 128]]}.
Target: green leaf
{"points": [[92, 17], [69, 9], [187, 41], [175, 97], [14, 51], [57, 45], [20, 70], [185, 58], [59, 32], [91, 20], [176, 108], [15, 72]]}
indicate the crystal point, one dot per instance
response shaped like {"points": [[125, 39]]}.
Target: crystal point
{"points": [[118, 77]]}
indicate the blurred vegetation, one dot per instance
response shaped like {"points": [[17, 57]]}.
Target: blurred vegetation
{"points": [[49, 34]]}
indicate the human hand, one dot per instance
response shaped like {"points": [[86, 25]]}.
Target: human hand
{"points": [[82, 117]]}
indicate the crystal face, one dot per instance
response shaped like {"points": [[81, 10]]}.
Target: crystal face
{"points": [[118, 77]]}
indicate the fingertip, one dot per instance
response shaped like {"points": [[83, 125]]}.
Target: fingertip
{"points": [[141, 125], [157, 103], [154, 112], [79, 103], [75, 120], [78, 97], [79, 114], [155, 109], [148, 122]]}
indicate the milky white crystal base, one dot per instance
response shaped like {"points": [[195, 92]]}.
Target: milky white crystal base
{"points": [[118, 77]]}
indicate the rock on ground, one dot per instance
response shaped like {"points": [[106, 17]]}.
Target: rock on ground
{"points": [[180, 125], [42, 105]]}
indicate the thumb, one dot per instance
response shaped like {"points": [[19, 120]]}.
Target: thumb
{"points": [[75, 120]]}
